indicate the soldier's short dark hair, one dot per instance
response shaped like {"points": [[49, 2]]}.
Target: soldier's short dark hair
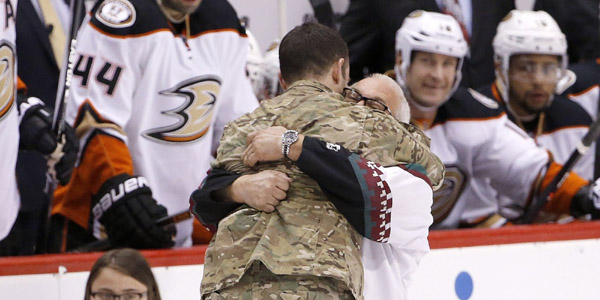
{"points": [[310, 49]]}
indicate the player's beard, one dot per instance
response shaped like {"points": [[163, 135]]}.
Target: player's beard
{"points": [[180, 6]]}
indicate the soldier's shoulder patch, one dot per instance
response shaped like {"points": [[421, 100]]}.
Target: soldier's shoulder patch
{"points": [[116, 13]]}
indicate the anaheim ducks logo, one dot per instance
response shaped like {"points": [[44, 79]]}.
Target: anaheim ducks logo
{"points": [[7, 78], [195, 114], [445, 198], [116, 13]]}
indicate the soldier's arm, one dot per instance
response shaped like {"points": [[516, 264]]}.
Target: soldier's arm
{"points": [[360, 189]]}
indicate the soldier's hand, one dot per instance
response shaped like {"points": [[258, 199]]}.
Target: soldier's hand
{"points": [[263, 190], [265, 145]]}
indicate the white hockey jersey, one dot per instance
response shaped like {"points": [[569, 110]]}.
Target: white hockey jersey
{"points": [[563, 125], [151, 98], [9, 121], [483, 152]]}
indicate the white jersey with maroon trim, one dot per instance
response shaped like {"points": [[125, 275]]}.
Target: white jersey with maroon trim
{"points": [[165, 90], [9, 122], [483, 152], [389, 267]]}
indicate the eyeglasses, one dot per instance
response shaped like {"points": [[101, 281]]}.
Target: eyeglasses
{"points": [[354, 95], [528, 70], [124, 296]]}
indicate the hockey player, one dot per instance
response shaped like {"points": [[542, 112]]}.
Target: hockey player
{"points": [[255, 67], [483, 151], [25, 123], [531, 57], [154, 84], [388, 263], [271, 68]]}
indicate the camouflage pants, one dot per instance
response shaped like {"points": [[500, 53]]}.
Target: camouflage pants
{"points": [[260, 283]]}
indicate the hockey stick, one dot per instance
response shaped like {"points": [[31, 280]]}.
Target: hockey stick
{"points": [[103, 245], [580, 150], [77, 9]]}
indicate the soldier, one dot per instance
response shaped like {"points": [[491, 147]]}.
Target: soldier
{"points": [[305, 239], [388, 263]]}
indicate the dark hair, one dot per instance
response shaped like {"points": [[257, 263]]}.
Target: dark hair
{"points": [[129, 262], [310, 50]]}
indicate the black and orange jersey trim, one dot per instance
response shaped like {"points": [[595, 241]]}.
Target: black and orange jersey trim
{"points": [[211, 16], [463, 106], [561, 114]]}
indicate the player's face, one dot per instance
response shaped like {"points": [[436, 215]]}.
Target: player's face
{"points": [[430, 77], [532, 81], [182, 6]]}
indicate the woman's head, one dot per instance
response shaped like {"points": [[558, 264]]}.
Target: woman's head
{"points": [[121, 272]]}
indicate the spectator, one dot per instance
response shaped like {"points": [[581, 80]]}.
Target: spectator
{"points": [[303, 239], [122, 273], [153, 87]]}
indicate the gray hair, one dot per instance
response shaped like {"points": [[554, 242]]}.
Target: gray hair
{"points": [[403, 111]]}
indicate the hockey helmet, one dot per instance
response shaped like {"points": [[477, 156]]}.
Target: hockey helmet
{"points": [[429, 32]]}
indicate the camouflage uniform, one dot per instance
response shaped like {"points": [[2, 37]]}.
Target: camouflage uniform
{"points": [[258, 282], [306, 235]]}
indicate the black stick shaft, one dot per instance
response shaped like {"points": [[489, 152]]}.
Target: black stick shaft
{"points": [[580, 150], [77, 9]]}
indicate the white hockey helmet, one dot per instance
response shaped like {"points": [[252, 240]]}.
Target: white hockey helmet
{"points": [[528, 32], [271, 67], [429, 32], [255, 65]]}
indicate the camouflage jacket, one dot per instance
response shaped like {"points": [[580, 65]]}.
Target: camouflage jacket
{"points": [[306, 234]]}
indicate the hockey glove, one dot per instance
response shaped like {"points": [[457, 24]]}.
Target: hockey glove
{"points": [[124, 205], [587, 201], [36, 134], [35, 126], [62, 160]]}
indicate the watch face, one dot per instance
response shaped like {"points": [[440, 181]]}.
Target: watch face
{"points": [[289, 137]]}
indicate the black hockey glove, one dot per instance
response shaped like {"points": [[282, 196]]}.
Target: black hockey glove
{"points": [[587, 201], [35, 128], [124, 205], [62, 160], [36, 134]]}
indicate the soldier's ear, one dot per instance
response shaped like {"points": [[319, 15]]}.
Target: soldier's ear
{"points": [[282, 82], [337, 71]]}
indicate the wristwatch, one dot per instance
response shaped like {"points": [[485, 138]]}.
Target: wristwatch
{"points": [[287, 139]]}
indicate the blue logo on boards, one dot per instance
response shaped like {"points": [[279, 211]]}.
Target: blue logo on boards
{"points": [[463, 286]]}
